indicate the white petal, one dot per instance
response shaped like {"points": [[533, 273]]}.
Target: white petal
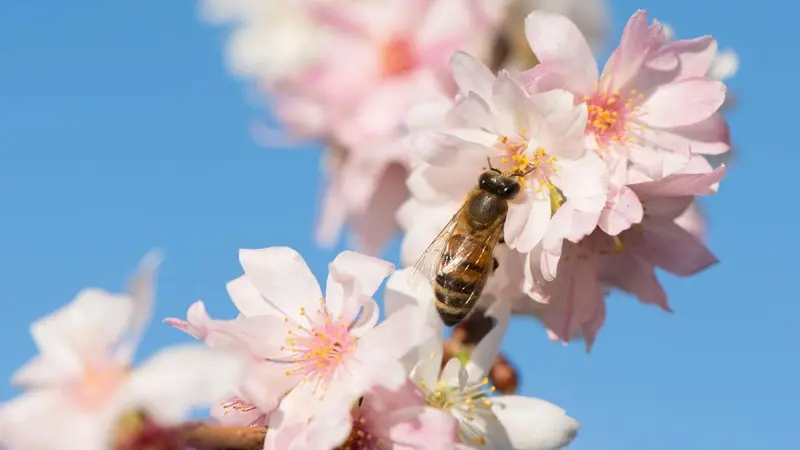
{"points": [[484, 354], [531, 424], [404, 289], [142, 290], [39, 372], [472, 75], [350, 271], [282, 277], [176, 379], [584, 182], [83, 330], [247, 299], [22, 420], [535, 226]]}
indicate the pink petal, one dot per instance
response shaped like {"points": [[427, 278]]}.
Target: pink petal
{"points": [[626, 61], [483, 356], [446, 26], [510, 100], [177, 379], [564, 124], [373, 227], [554, 37], [472, 75], [545, 76], [422, 427], [708, 137], [527, 224], [622, 211], [584, 182], [632, 274], [655, 163], [679, 185], [683, 102], [247, 299], [672, 248], [262, 336], [695, 55], [282, 277], [333, 214], [198, 322], [352, 279], [266, 384]]}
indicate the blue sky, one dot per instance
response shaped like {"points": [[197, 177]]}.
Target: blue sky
{"points": [[121, 130]]}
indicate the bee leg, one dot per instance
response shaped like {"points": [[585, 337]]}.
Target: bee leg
{"points": [[495, 264]]}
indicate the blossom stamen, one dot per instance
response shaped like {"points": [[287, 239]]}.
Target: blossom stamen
{"points": [[612, 115], [317, 348], [471, 403]]}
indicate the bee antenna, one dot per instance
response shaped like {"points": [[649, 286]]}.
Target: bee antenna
{"points": [[489, 161], [523, 174]]}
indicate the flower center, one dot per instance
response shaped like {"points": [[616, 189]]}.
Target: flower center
{"points": [[360, 437], [467, 405], [97, 384], [538, 166], [612, 116], [397, 57], [318, 347]]}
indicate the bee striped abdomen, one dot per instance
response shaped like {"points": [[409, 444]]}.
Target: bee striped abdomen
{"points": [[460, 280]]}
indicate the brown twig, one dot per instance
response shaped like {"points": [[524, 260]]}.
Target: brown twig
{"points": [[206, 437]]}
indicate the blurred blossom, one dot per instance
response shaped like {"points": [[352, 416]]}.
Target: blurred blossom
{"points": [[581, 144], [462, 388], [301, 344], [383, 57], [270, 39], [590, 16], [81, 389]]}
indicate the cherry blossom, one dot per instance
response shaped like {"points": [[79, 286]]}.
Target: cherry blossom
{"points": [[652, 104], [301, 343], [381, 419], [81, 388], [536, 137], [573, 302], [462, 388]]}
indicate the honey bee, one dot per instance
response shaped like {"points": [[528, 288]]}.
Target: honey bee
{"points": [[460, 259]]}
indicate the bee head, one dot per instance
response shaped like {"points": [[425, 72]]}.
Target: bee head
{"points": [[495, 182]]}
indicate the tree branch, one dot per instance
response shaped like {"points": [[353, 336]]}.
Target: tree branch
{"points": [[206, 437]]}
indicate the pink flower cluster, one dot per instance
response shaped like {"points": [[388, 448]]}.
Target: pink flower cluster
{"points": [[321, 371], [376, 59], [610, 164], [613, 163], [324, 373]]}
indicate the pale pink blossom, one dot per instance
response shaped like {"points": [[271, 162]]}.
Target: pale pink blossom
{"points": [[268, 40], [652, 104], [380, 420], [538, 136], [381, 58], [573, 303], [462, 388], [81, 384], [301, 343]]}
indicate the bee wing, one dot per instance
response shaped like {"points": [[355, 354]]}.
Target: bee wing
{"points": [[428, 263]]}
